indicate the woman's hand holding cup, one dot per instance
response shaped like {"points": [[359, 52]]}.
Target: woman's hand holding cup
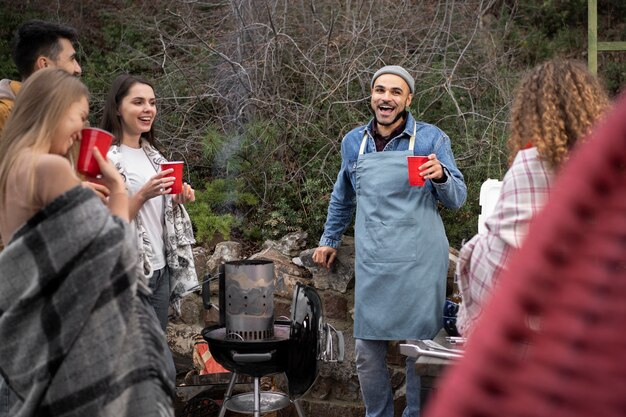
{"points": [[158, 185]]}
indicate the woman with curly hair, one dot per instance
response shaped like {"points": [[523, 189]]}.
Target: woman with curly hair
{"points": [[556, 106]]}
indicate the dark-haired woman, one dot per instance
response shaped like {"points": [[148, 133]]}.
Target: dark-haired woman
{"points": [[164, 231]]}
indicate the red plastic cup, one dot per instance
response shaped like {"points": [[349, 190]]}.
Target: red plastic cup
{"points": [[177, 187], [92, 137], [414, 163]]}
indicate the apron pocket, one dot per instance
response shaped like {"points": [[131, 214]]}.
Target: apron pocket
{"points": [[390, 241]]}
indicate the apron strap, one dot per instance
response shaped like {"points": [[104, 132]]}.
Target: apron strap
{"points": [[363, 142], [411, 140]]}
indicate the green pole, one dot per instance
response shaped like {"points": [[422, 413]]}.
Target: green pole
{"points": [[592, 35]]}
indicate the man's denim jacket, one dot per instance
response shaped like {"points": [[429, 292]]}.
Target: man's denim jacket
{"points": [[428, 139]]}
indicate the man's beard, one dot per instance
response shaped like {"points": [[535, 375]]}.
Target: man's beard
{"points": [[398, 117]]}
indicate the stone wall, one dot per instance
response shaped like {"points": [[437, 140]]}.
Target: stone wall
{"points": [[336, 391]]}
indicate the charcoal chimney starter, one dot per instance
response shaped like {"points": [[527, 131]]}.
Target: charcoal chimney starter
{"points": [[247, 299]]}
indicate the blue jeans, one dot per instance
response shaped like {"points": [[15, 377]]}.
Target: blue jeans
{"points": [[159, 283], [371, 366], [8, 398]]}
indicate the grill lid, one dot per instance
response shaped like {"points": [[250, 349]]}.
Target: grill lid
{"points": [[304, 340]]}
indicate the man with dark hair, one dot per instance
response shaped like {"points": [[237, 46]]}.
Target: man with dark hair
{"points": [[38, 44], [401, 246]]}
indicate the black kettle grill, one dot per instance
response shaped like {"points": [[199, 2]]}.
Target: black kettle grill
{"points": [[249, 341]]}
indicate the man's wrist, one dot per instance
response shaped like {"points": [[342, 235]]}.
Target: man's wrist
{"points": [[444, 176], [333, 243]]}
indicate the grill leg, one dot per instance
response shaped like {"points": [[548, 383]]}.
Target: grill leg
{"points": [[299, 409], [229, 391], [257, 397]]}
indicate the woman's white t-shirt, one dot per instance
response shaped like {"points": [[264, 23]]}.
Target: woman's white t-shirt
{"points": [[139, 170]]}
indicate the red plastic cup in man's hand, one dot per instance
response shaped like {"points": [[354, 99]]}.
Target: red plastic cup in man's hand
{"points": [[92, 137], [414, 163], [177, 166]]}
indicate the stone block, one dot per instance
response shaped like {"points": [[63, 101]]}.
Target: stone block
{"points": [[340, 277], [192, 310], [224, 252], [289, 411], [335, 305], [315, 408], [282, 308], [200, 258], [348, 391], [289, 245], [322, 389]]}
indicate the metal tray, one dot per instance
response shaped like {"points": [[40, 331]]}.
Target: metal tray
{"points": [[416, 351], [269, 401]]}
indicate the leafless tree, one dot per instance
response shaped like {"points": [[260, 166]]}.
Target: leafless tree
{"points": [[248, 88]]}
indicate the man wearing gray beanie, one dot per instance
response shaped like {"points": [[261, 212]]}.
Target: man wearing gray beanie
{"points": [[401, 258]]}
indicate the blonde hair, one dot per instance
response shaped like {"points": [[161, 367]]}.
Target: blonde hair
{"points": [[39, 109], [556, 105]]}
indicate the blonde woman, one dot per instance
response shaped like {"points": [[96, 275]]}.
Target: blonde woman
{"points": [[556, 105], [78, 335]]}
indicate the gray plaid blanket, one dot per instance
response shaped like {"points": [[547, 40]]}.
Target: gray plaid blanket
{"points": [[77, 335]]}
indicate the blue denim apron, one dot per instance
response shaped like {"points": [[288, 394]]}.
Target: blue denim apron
{"points": [[401, 251]]}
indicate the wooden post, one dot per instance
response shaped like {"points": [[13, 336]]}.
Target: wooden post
{"points": [[593, 46]]}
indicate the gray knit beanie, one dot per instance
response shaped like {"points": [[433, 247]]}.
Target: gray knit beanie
{"points": [[396, 70]]}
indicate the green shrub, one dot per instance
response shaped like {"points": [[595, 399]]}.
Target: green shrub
{"points": [[217, 209]]}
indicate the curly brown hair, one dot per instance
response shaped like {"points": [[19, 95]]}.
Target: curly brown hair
{"points": [[556, 104]]}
